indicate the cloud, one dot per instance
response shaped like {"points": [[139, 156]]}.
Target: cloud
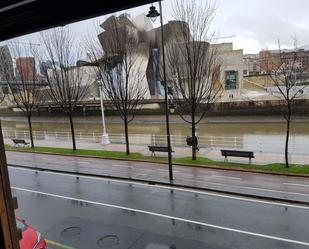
{"points": [[268, 30], [263, 22]]}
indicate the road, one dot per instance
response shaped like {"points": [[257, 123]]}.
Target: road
{"points": [[89, 212], [280, 187]]}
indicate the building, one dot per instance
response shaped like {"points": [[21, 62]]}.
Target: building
{"points": [[149, 53], [25, 69], [233, 67], [131, 40], [46, 65], [6, 63], [252, 62], [270, 60]]}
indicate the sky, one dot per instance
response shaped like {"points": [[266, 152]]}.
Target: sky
{"points": [[251, 25]]}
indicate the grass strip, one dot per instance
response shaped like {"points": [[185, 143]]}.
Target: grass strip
{"points": [[200, 161]]}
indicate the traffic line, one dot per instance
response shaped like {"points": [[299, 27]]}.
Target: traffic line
{"points": [[273, 203], [260, 189], [227, 177], [57, 244], [296, 184], [168, 217]]}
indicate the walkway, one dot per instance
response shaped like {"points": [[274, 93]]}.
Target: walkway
{"points": [[211, 153]]}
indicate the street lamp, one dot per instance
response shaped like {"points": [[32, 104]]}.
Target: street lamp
{"points": [[105, 138], [153, 14]]}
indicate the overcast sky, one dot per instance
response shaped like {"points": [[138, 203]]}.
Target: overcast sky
{"points": [[255, 24]]}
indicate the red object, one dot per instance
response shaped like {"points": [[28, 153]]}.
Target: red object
{"points": [[31, 239], [25, 68]]}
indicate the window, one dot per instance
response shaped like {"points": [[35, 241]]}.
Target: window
{"points": [[231, 79]]}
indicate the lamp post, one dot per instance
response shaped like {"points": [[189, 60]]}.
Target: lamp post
{"points": [[153, 14], [105, 138]]}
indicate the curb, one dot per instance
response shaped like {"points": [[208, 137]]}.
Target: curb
{"points": [[177, 164], [167, 184]]}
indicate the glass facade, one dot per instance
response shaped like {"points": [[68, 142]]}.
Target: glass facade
{"points": [[231, 80]]}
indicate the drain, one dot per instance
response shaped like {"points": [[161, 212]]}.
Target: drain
{"points": [[108, 241], [71, 231]]}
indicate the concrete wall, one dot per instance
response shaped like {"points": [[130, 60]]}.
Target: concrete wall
{"points": [[249, 108]]}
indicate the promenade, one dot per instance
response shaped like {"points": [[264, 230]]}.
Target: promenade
{"points": [[211, 153]]}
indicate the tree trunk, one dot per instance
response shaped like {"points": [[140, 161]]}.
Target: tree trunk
{"points": [[30, 130], [193, 137], [126, 131], [72, 132], [287, 141]]}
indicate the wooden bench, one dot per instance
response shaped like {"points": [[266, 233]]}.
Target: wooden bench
{"points": [[158, 148], [17, 142], [237, 153]]}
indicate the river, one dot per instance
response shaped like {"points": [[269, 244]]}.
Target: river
{"points": [[259, 133]]}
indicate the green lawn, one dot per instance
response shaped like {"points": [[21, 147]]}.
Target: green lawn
{"points": [[201, 161], [98, 153], [273, 167]]}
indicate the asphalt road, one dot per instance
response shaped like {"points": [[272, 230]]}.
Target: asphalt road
{"points": [[281, 187], [103, 213]]}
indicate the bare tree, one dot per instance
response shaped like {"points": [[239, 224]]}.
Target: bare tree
{"points": [[192, 64], [25, 86], [67, 83], [120, 69], [284, 72]]}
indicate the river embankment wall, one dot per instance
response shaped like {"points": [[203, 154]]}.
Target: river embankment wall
{"points": [[236, 108]]}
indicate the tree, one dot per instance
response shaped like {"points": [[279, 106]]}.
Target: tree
{"points": [[25, 86], [193, 65], [284, 72], [67, 83], [120, 68]]}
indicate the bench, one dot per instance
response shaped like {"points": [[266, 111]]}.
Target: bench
{"points": [[237, 153], [158, 148], [17, 142]]}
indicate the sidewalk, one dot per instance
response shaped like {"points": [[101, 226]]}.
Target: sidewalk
{"points": [[211, 153]]}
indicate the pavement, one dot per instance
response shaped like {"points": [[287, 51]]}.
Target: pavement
{"points": [[211, 153], [285, 188], [94, 213]]}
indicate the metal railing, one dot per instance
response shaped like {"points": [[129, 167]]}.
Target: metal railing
{"points": [[235, 142]]}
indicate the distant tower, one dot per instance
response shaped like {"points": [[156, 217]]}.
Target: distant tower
{"points": [[6, 63]]}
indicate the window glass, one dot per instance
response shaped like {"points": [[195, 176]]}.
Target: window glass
{"points": [[231, 79]]}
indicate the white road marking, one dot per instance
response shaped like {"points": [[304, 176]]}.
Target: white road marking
{"points": [[174, 188], [227, 177], [296, 184], [168, 217], [121, 166], [263, 189]]}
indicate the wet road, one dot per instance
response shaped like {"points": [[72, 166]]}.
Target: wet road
{"points": [[101, 212], [281, 187]]}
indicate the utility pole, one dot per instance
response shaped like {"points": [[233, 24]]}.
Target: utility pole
{"points": [[9, 235]]}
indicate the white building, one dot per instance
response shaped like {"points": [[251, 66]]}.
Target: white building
{"points": [[233, 69]]}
